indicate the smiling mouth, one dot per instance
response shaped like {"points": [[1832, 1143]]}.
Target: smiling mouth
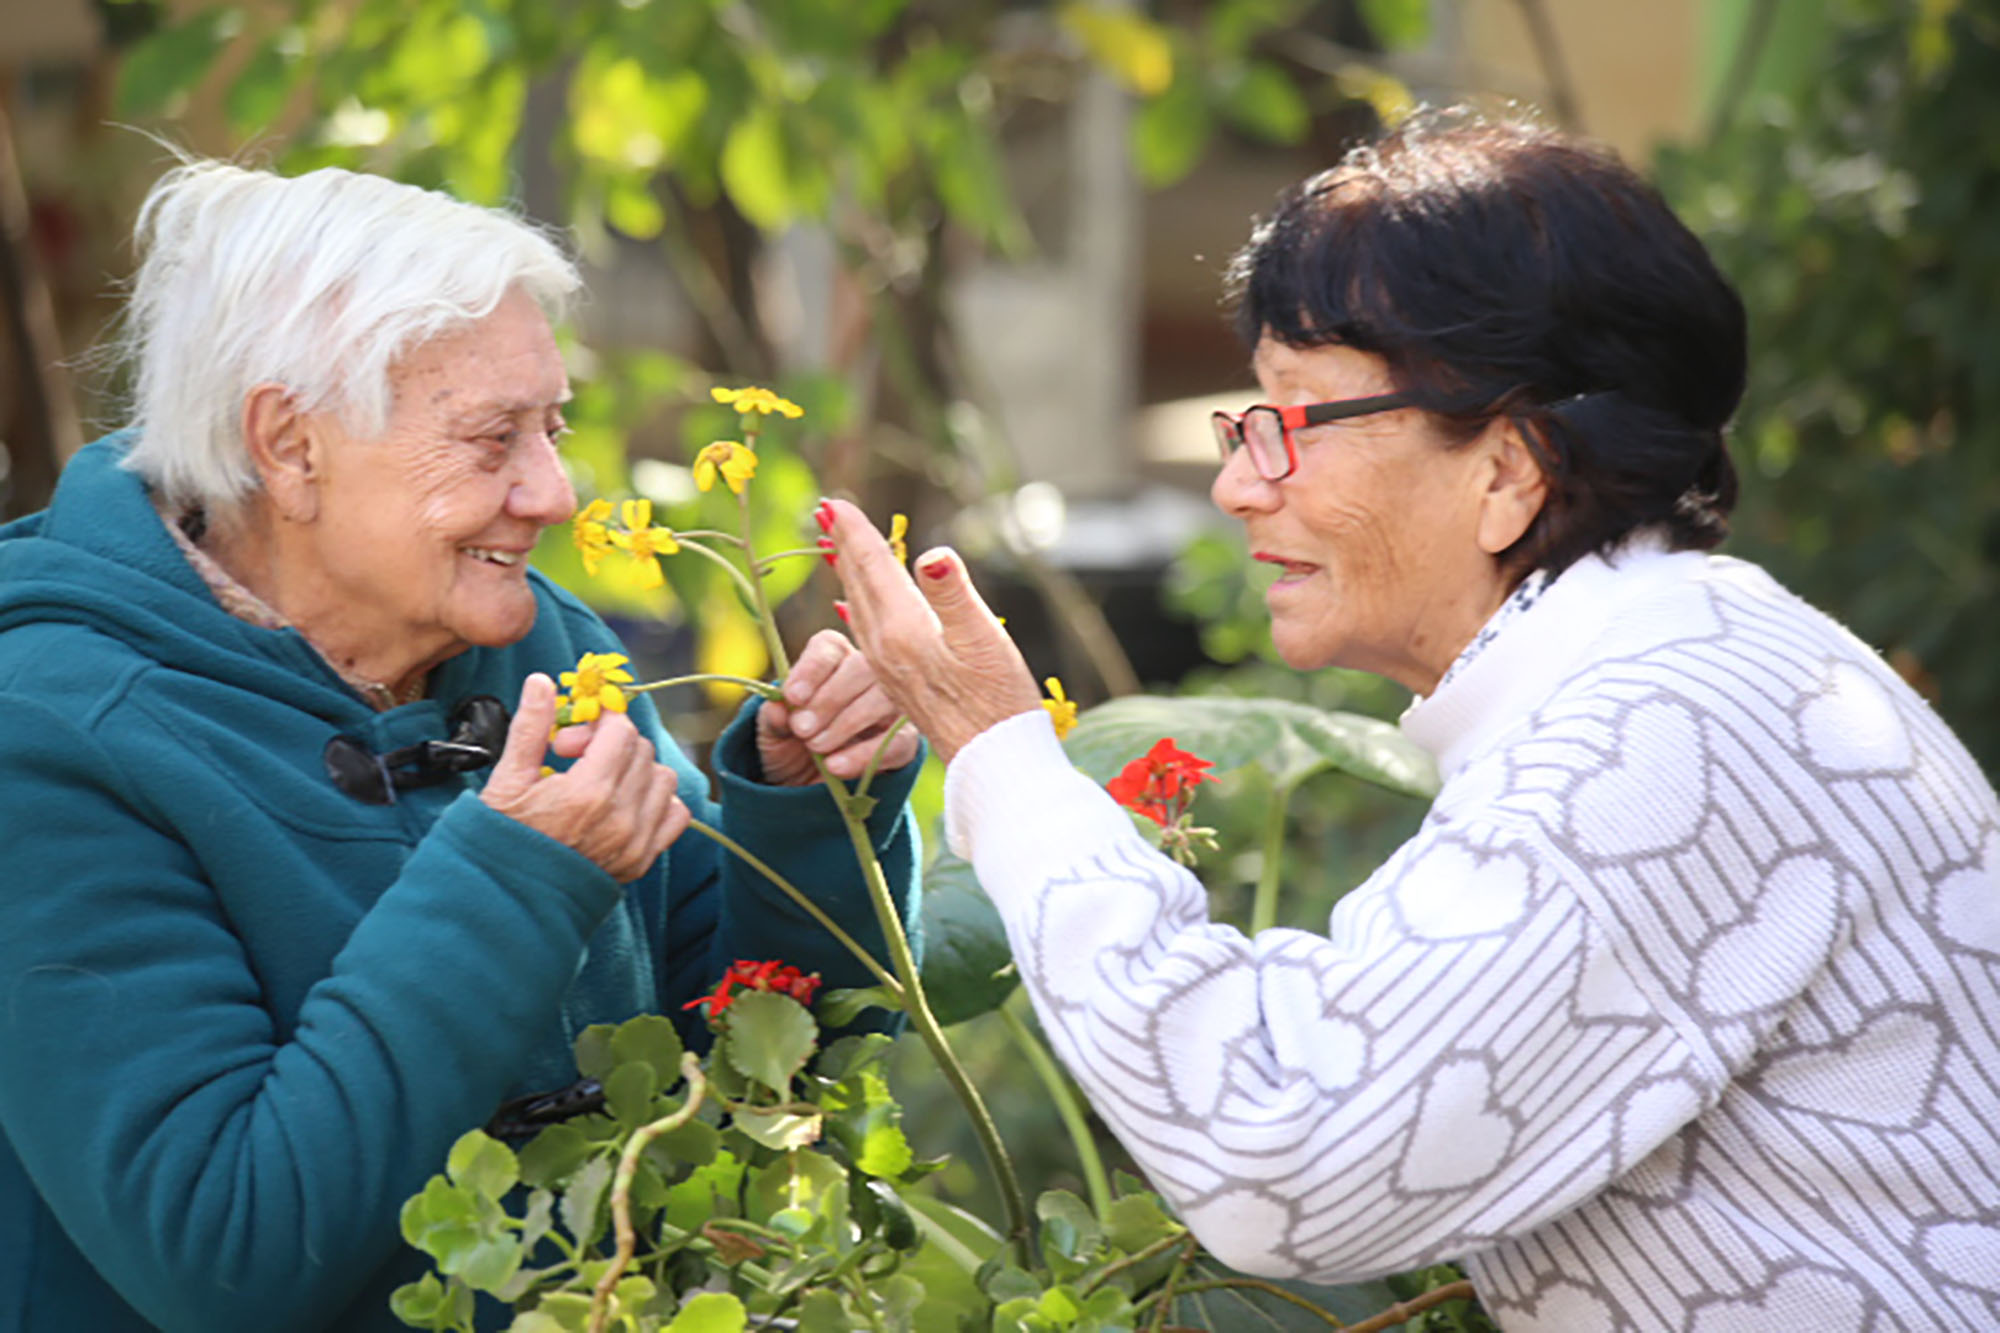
{"points": [[488, 555], [1288, 570]]}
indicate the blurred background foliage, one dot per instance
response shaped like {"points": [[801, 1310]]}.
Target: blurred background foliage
{"points": [[1841, 162]]}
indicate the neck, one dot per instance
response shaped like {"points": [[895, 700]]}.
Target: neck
{"points": [[277, 560]]}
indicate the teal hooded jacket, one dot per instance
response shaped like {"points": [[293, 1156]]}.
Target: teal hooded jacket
{"points": [[243, 1015]]}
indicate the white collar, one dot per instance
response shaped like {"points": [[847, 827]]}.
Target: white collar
{"points": [[1532, 650]]}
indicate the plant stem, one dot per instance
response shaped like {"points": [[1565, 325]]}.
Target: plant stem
{"points": [[1404, 1311], [621, 1187], [765, 620], [874, 760], [751, 591], [918, 1007], [1264, 905], [1158, 1247], [763, 564], [1067, 1106], [1279, 1293], [1166, 1293], [812, 909], [760, 687]]}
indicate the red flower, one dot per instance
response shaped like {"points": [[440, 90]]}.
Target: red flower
{"points": [[771, 975], [1161, 784]]}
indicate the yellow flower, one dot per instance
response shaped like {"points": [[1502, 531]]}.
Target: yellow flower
{"points": [[760, 401], [593, 686], [1061, 709], [734, 461], [593, 539], [899, 528], [645, 542]]}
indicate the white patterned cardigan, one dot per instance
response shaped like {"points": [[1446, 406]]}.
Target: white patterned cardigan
{"points": [[1680, 1012]]}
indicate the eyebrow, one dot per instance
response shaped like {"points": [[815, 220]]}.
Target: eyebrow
{"points": [[510, 407]]}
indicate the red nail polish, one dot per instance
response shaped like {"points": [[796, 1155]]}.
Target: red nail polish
{"points": [[825, 545], [824, 516], [840, 609], [937, 569]]}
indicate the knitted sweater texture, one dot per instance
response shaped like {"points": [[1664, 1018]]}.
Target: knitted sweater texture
{"points": [[1680, 1012]]}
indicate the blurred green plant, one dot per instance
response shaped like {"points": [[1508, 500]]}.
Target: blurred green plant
{"points": [[1854, 211]]}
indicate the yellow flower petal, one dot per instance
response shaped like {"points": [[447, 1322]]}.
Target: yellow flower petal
{"points": [[638, 515], [613, 698], [1061, 710], [583, 709], [899, 528]]}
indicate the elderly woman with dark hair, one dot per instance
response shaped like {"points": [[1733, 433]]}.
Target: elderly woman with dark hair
{"points": [[272, 934], [1682, 1008]]}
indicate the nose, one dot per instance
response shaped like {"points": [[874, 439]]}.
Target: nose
{"points": [[541, 489], [1239, 491]]}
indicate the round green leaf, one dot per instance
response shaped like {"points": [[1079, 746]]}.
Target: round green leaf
{"points": [[1288, 740], [552, 1155], [593, 1050], [628, 1093], [653, 1039], [483, 1164], [968, 966], [771, 1037]]}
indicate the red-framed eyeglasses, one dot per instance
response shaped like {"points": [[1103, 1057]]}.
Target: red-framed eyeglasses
{"points": [[1266, 431]]}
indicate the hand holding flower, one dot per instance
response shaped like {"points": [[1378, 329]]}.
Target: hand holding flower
{"points": [[941, 656], [833, 707], [617, 805]]}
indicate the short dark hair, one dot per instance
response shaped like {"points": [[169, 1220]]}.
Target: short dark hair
{"points": [[1505, 269]]}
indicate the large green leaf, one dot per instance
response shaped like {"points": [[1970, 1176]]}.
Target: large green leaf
{"points": [[1288, 740], [968, 966], [771, 1037]]}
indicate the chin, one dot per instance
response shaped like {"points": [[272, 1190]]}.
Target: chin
{"points": [[500, 627]]}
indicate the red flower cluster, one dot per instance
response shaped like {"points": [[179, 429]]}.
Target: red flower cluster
{"points": [[772, 976], [1160, 785]]}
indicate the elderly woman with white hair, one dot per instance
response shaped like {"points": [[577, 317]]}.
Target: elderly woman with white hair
{"points": [[272, 934]]}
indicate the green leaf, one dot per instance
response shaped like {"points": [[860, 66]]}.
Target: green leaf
{"points": [[1288, 740], [822, 1312], [885, 1151], [582, 1202], [899, 1228], [257, 94], [783, 1130], [1170, 133], [968, 966], [838, 1007], [756, 171], [482, 1164], [628, 1093], [593, 1050], [709, 1192], [771, 1037], [419, 1303], [552, 1155], [1264, 101], [710, 1312], [1400, 25], [653, 1039], [807, 1180], [692, 1144], [1135, 1221], [851, 1055], [490, 1264], [172, 61]]}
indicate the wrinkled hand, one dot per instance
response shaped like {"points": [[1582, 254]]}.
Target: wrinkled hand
{"points": [[834, 708], [940, 655], [618, 804]]}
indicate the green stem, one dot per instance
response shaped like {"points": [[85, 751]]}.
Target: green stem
{"points": [[811, 908], [621, 1187], [1264, 905], [917, 1006], [1167, 1291], [763, 564], [1133, 1260], [751, 591], [710, 534], [765, 620], [875, 760], [763, 687], [1267, 1288], [1067, 1106]]}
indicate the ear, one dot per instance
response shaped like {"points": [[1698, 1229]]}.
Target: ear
{"points": [[285, 449], [1515, 487]]}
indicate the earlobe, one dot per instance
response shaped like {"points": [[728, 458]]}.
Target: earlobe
{"points": [[1516, 489], [284, 449]]}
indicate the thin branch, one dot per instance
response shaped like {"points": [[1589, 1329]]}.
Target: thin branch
{"points": [[621, 1188], [1404, 1311], [1548, 51], [1743, 63]]}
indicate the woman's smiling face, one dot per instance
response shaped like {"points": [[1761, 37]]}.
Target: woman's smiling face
{"points": [[423, 532], [1377, 536]]}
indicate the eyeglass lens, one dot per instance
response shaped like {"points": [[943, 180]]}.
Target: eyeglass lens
{"points": [[1260, 431]]}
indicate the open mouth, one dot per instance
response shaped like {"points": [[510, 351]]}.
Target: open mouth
{"points": [[1289, 571], [488, 555]]}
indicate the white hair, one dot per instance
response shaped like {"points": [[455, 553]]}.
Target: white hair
{"points": [[317, 282]]}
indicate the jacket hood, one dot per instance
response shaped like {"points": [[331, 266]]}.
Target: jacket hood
{"points": [[99, 557]]}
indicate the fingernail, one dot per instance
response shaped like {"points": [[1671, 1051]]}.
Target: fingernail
{"points": [[825, 545], [804, 724], [840, 609], [824, 515], [937, 569]]}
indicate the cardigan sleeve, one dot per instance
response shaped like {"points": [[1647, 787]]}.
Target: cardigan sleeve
{"points": [[1461, 1058], [220, 1173]]}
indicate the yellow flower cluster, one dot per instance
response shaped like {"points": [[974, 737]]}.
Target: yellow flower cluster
{"points": [[732, 460], [595, 538], [1060, 707], [593, 687], [761, 402], [899, 531]]}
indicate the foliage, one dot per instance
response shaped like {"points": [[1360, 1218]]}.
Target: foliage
{"points": [[1855, 213]]}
